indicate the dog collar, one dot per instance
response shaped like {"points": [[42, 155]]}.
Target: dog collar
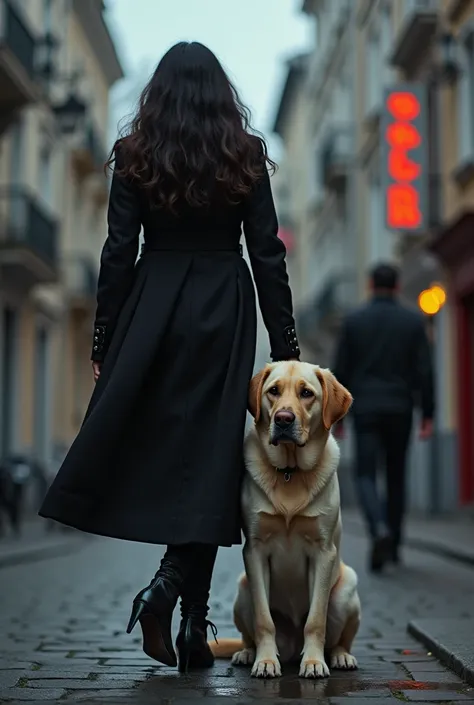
{"points": [[287, 472]]}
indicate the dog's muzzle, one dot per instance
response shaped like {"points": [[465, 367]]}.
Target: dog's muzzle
{"points": [[285, 429]]}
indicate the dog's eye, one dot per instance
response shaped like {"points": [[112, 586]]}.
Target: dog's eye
{"points": [[273, 391], [307, 393]]}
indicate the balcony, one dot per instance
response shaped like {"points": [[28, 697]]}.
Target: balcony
{"points": [[17, 64], [80, 277], [418, 27], [89, 155], [336, 160], [28, 239]]}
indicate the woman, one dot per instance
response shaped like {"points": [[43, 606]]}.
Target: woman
{"points": [[159, 456]]}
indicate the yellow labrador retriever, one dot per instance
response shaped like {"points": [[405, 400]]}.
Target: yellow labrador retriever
{"points": [[297, 600]]}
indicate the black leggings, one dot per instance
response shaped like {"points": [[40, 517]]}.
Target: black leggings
{"points": [[196, 562]]}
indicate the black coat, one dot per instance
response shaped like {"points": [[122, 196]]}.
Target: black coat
{"points": [[159, 456], [384, 359]]}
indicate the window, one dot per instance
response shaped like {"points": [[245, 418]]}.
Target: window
{"points": [[17, 159], [315, 181], [386, 42], [380, 239], [48, 16], [375, 200], [466, 101], [373, 74], [45, 174], [9, 378], [42, 398], [17, 152]]}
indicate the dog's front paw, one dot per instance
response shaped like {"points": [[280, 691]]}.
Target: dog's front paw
{"points": [[246, 657], [342, 660], [313, 668], [266, 668]]}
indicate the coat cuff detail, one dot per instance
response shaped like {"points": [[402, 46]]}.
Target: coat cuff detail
{"points": [[98, 343], [292, 341]]}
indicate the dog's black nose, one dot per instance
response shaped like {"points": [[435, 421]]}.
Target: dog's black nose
{"points": [[283, 418]]}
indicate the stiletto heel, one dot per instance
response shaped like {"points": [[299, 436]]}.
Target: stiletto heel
{"points": [[137, 611], [153, 607]]}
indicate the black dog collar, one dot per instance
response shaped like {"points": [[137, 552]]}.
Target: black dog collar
{"points": [[287, 472]]}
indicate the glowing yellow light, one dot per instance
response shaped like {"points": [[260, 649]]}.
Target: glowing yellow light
{"points": [[440, 294], [428, 302]]}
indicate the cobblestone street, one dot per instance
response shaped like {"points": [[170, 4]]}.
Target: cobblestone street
{"points": [[63, 619]]}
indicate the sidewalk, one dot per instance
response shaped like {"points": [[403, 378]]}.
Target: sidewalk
{"points": [[38, 540], [448, 537], [62, 635], [447, 634]]}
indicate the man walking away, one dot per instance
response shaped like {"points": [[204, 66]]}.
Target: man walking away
{"points": [[384, 359]]}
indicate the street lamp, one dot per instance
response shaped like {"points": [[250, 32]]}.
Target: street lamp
{"points": [[70, 113], [449, 67], [72, 110]]}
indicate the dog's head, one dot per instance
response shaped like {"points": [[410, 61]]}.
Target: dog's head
{"points": [[293, 402]]}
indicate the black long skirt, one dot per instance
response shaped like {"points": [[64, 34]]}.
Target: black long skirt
{"points": [[159, 456]]}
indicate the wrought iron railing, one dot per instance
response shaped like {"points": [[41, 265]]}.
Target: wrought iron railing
{"points": [[24, 222], [81, 275]]}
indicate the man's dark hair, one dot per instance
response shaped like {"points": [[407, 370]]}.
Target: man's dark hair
{"points": [[384, 276]]}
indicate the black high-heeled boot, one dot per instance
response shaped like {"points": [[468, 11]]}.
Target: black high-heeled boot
{"points": [[191, 642], [153, 607]]}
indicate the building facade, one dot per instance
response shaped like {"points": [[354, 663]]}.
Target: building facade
{"points": [[453, 243], [376, 47], [57, 64], [325, 257]]}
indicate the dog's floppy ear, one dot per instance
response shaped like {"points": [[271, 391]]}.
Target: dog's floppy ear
{"points": [[336, 398], [255, 392]]}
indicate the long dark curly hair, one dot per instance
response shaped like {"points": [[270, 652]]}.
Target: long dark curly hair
{"points": [[190, 140]]}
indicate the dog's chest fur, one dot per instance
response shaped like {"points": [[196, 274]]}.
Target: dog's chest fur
{"points": [[289, 541], [291, 522]]}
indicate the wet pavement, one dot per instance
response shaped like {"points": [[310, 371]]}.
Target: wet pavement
{"points": [[62, 634]]}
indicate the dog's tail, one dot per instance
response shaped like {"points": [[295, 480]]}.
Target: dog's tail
{"points": [[226, 648]]}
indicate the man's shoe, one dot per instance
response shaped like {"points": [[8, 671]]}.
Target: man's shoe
{"points": [[395, 555], [381, 553]]}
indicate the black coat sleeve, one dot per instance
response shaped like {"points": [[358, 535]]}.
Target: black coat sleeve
{"points": [[267, 258], [118, 259], [424, 373]]}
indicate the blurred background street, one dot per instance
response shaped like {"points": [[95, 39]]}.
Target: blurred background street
{"points": [[319, 76]]}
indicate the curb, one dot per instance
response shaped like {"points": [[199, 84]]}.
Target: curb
{"points": [[41, 551], [444, 551], [447, 657]]}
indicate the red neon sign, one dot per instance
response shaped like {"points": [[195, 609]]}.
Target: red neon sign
{"points": [[402, 136]]}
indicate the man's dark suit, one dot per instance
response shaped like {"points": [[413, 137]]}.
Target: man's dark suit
{"points": [[384, 359]]}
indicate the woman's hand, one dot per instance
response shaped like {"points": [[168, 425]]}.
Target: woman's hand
{"points": [[96, 366]]}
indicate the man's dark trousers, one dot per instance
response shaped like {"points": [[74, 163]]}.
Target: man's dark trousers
{"points": [[382, 440]]}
